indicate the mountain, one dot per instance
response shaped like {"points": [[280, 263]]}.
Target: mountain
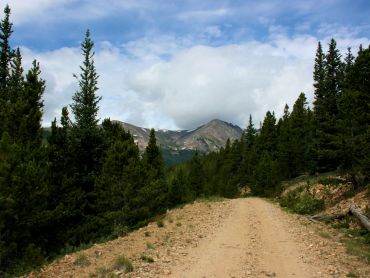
{"points": [[180, 145]]}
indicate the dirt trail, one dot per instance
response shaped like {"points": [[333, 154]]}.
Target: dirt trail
{"points": [[231, 238], [253, 241]]}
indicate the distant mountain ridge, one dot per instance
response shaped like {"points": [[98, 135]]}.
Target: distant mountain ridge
{"points": [[205, 138]]}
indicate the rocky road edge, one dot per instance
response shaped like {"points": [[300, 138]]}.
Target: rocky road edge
{"points": [[185, 228]]}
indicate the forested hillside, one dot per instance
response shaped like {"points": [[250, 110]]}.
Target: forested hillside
{"points": [[90, 183], [332, 135]]}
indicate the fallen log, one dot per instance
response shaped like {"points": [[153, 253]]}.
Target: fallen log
{"points": [[363, 218], [326, 217]]}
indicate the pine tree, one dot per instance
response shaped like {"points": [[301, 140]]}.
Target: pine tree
{"points": [[85, 107], [355, 116], [9, 158], [249, 154], [31, 102], [348, 62], [6, 52], [85, 135], [266, 176], [319, 77], [177, 191], [196, 176], [152, 195], [16, 95], [333, 80], [86, 147], [153, 157], [327, 92], [284, 147], [300, 136], [117, 185], [267, 139], [250, 133]]}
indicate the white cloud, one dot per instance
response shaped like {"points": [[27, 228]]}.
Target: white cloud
{"points": [[227, 82], [205, 14], [213, 31], [166, 83], [25, 11]]}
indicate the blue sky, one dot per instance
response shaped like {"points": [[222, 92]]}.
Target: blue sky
{"points": [[178, 64]]}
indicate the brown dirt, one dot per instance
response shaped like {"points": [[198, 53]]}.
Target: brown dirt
{"points": [[234, 238]]}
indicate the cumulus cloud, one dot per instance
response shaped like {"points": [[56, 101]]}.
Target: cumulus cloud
{"points": [[227, 82], [168, 83]]}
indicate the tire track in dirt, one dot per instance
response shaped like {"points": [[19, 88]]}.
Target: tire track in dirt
{"points": [[251, 242]]}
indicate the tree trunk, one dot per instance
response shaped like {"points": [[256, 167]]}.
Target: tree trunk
{"points": [[363, 218]]}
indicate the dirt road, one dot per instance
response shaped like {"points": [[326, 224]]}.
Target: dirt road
{"points": [[253, 241], [229, 238]]}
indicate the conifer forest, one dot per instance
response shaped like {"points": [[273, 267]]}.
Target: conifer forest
{"points": [[86, 181]]}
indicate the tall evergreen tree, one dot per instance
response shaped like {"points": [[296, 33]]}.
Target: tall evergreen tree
{"points": [[85, 107], [86, 144], [16, 95], [267, 140], [355, 117], [6, 52], [327, 92], [319, 77], [300, 136], [249, 154], [152, 195], [284, 147], [196, 176], [153, 157], [250, 133], [31, 102], [333, 80]]}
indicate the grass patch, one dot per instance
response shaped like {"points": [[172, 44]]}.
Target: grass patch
{"points": [[211, 199], [166, 238], [330, 180], [146, 258], [178, 224], [123, 263], [351, 274], [160, 223], [100, 272], [324, 234], [147, 234], [357, 247], [149, 245], [82, 260], [301, 202]]}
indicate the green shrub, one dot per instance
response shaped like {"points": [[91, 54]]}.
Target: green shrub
{"points": [[308, 204], [82, 260], [33, 256], [146, 258], [160, 224], [119, 230], [289, 199], [149, 245], [302, 203], [330, 181], [121, 262]]}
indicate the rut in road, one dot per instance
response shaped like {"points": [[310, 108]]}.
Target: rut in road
{"points": [[253, 241]]}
